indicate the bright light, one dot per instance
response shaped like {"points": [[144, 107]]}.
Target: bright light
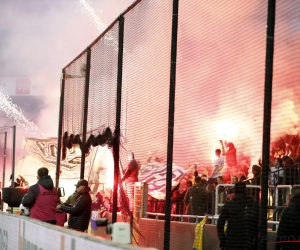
{"points": [[227, 130], [102, 171]]}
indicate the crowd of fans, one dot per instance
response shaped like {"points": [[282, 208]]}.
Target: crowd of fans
{"points": [[195, 194]]}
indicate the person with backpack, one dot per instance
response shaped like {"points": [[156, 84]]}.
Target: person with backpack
{"points": [[242, 217]]}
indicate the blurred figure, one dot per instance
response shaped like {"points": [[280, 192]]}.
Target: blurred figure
{"points": [[130, 177], [189, 184], [19, 182], [221, 191], [177, 204], [204, 177], [243, 169], [234, 179], [290, 170], [230, 190], [277, 177], [243, 178], [42, 198], [288, 229], [256, 170], [231, 160], [196, 199], [241, 214], [211, 191]]}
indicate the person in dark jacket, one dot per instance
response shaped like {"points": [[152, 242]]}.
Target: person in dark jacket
{"points": [[80, 212], [42, 198], [241, 214], [130, 177], [196, 199], [289, 225]]}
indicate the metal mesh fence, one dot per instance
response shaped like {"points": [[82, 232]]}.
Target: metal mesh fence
{"points": [[145, 84], [220, 83], [219, 104], [74, 96], [103, 82], [286, 90]]}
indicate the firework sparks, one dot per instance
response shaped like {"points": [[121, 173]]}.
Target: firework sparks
{"points": [[110, 37], [13, 112], [86, 8]]}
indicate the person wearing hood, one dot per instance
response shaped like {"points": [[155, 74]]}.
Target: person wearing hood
{"points": [[80, 212], [288, 233], [241, 214], [42, 198]]}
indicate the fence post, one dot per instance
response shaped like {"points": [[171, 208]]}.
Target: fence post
{"points": [[13, 155], [171, 125], [4, 164], [116, 145], [267, 123], [85, 109], [60, 124]]}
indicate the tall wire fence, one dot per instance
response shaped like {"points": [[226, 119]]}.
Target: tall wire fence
{"points": [[119, 98]]}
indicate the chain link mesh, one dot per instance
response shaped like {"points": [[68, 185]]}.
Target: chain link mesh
{"points": [[221, 56], [103, 82], [74, 96]]}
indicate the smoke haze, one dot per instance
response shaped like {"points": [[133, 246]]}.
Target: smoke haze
{"points": [[38, 38]]}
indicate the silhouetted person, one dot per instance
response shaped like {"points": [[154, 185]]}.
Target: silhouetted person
{"points": [[196, 198], [241, 214], [289, 225]]}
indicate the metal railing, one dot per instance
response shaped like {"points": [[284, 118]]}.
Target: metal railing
{"points": [[217, 204]]}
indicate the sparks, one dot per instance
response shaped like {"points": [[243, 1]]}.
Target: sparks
{"points": [[13, 112], [86, 8], [110, 37]]}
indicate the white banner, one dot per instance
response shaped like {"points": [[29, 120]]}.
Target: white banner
{"points": [[22, 233]]}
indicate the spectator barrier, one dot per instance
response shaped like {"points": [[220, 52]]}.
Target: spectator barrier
{"points": [[23, 233], [285, 194], [218, 204]]}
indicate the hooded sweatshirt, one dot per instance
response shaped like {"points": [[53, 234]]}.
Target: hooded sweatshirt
{"points": [[289, 229], [42, 199]]}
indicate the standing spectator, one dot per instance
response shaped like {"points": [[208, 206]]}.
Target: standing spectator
{"points": [[221, 191], [42, 198], [241, 214], [217, 166], [196, 199], [80, 212], [230, 190], [290, 170], [231, 160], [289, 229], [130, 177], [256, 170], [211, 198]]}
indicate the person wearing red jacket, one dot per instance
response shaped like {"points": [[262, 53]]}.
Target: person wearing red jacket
{"points": [[42, 198]]}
